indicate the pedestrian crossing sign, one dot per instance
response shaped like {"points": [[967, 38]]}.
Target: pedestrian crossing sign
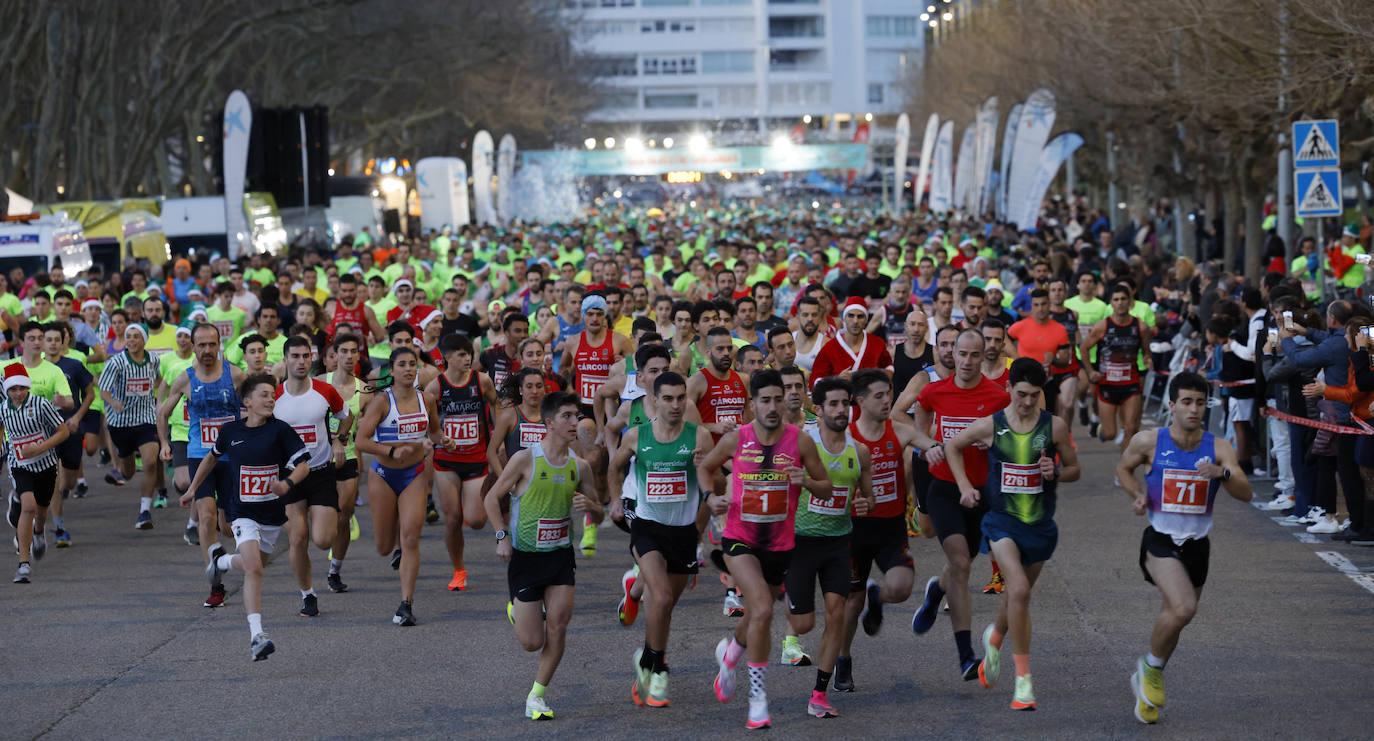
{"points": [[1318, 192], [1316, 144]]}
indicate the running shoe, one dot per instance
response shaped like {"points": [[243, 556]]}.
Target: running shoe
{"points": [[991, 668], [844, 674], [969, 668], [1327, 525], [639, 691], [873, 611], [924, 619], [404, 617], [336, 584], [431, 514], [353, 528], [628, 608], [1094, 428], [82, 488], [792, 652], [1149, 684], [995, 584], [213, 573], [21, 575], [537, 709], [104, 457], [714, 528], [725, 674], [459, 582], [820, 707], [261, 647], [1082, 414], [510, 612], [216, 598], [310, 606], [734, 606], [114, 478], [39, 547], [1024, 697], [396, 560], [1313, 516], [62, 539], [588, 544], [160, 501], [1281, 501], [658, 690], [1144, 713], [145, 521], [192, 535], [758, 713]]}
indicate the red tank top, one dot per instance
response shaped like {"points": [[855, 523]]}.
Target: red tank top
{"points": [[889, 471], [355, 318], [953, 409], [723, 401], [592, 366], [463, 416], [1004, 378]]}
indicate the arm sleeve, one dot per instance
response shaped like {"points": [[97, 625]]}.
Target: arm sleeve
{"points": [[337, 407], [1316, 356], [1247, 351]]}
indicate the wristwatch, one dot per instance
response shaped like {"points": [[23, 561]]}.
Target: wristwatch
{"points": [[1225, 474], [500, 535]]}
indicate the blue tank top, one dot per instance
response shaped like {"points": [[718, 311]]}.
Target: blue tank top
{"points": [[1181, 498], [209, 406], [565, 330]]}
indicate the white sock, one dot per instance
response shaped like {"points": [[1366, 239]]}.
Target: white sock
{"points": [[335, 564], [307, 593], [192, 522], [145, 504], [1153, 660], [255, 624], [81, 481], [225, 562]]}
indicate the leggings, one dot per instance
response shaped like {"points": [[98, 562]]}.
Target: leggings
{"points": [[1344, 467]]}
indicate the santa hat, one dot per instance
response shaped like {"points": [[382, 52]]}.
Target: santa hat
{"points": [[16, 375], [855, 302]]}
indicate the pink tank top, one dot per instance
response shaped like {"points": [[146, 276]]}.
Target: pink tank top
{"points": [[762, 501]]}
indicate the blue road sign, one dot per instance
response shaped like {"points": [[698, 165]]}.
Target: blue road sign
{"points": [[1317, 192], [1316, 144]]}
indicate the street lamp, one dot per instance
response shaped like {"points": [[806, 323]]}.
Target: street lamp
{"points": [[806, 119], [925, 17], [609, 142], [949, 15], [634, 145], [697, 143], [667, 142], [934, 23], [590, 143], [868, 117], [930, 8]]}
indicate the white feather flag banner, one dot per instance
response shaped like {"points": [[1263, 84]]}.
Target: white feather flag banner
{"points": [[1037, 118], [985, 146], [505, 179], [927, 150], [899, 162], [483, 154], [1008, 146], [1051, 159], [942, 180], [963, 172]]}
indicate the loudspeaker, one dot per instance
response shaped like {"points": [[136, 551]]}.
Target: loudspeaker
{"points": [[274, 155]]}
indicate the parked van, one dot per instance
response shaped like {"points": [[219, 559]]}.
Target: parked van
{"points": [[38, 243], [198, 224], [118, 229]]}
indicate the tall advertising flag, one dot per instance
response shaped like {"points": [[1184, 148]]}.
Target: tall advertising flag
{"points": [[942, 179], [505, 178], [442, 183], [860, 137], [963, 173], [927, 150], [899, 163], [984, 149], [1051, 159], [238, 121], [1008, 142], [483, 152], [1037, 118]]}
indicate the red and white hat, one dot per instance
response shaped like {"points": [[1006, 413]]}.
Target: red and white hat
{"points": [[855, 302], [16, 375]]}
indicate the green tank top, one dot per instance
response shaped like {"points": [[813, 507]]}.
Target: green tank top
{"points": [[637, 415], [354, 404], [666, 477], [541, 515], [1015, 486], [179, 426], [820, 518], [698, 360]]}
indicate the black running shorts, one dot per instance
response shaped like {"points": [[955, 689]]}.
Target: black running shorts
{"points": [[1195, 554], [678, 544], [817, 559], [529, 573], [320, 488], [951, 518], [877, 540]]}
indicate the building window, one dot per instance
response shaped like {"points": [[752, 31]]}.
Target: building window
{"points": [[620, 100], [808, 27], [670, 100], [726, 2], [621, 66], [726, 62], [875, 92], [650, 65], [668, 27], [889, 26], [665, 3]]}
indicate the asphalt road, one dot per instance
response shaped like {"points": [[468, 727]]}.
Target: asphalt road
{"points": [[111, 641]]}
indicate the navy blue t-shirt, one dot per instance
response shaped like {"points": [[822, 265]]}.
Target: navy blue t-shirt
{"points": [[254, 458], [78, 378]]}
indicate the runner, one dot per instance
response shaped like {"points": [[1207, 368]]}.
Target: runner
{"points": [[462, 399], [852, 349], [914, 354], [947, 407], [718, 392], [351, 311], [1175, 549], [346, 349], [312, 507], [1117, 340], [32, 428], [57, 340], [773, 462], [1064, 384], [261, 447], [401, 431], [206, 391], [1089, 310], [502, 360], [995, 362], [172, 365], [126, 387], [224, 316], [690, 361], [879, 537], [545, 483], [519, 425], [663, 532], [808, 336], [1029, 454], [823, 528]]}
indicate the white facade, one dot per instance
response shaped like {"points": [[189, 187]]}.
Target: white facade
{"points": [[670, 62]]}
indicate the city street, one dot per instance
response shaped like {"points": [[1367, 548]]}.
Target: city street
{"points": [[110, 641]]}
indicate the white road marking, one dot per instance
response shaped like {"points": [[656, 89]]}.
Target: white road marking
{"points": [[1305, 537], [1345, 566], [1284, 521]]}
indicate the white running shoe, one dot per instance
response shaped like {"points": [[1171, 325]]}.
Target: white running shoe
{"points": [[758, 713], [1325, 526], [1313, 516], [725, 676], [1282, 501], [537, 709]]}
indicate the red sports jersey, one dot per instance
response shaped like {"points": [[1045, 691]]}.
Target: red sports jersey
{"points": [[308, 414], [837, 357], [889, 471], [414, 316], [355, 318], [723, 401], [592, 365], [954, 409]]}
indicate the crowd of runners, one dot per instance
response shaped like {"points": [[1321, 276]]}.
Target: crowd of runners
{"points": [[787, 396]]}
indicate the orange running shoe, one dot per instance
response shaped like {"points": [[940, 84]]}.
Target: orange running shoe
{"points": [[460, 581], [995, 584]]}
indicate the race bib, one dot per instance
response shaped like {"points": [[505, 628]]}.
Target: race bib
{"points": [[885, 487], [1185, 492], [552, 533], [531, 433], [255, 483], [665, 487], [307, 433], [835, 506], [461, 428], [209, 429], [1020, 478], [764, 501], [411, 427], [225, 328], [185, 412], [1117, 372], [588, 385], [729, 415], [138, 386], [952, 426], [21, 442]]}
